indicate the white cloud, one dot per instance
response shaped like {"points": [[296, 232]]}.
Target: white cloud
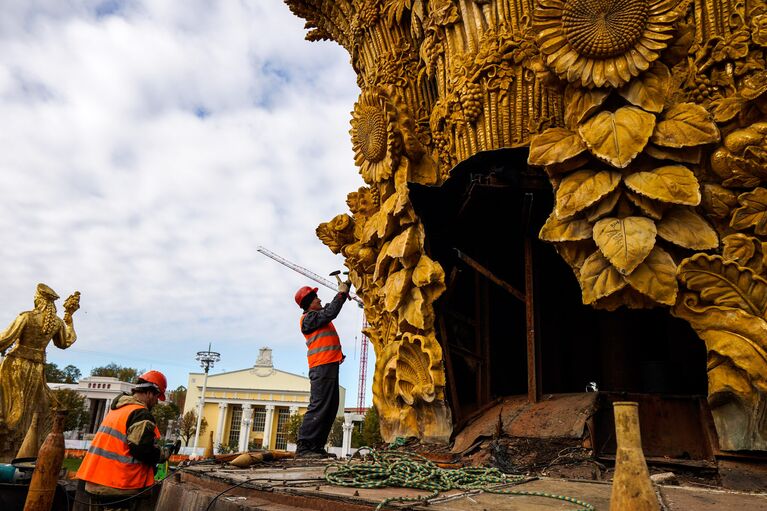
{"points": [[149, 147]]}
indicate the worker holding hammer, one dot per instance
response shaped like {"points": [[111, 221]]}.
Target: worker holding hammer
{"points": [[324, 356]]}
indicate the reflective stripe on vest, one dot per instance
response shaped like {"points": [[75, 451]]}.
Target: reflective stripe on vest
{"points": [[323, 345], [109, 462]]}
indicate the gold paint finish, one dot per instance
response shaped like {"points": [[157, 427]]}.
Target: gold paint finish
{"points": [[23, 390], [632, 488], [649, 118], [603, 28]]}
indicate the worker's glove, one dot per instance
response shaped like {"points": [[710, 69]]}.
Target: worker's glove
{"points": [[344, 287], [165, 453], [169, 449]]}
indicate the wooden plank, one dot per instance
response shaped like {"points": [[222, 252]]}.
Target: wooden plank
{"points": [[490, 276]]}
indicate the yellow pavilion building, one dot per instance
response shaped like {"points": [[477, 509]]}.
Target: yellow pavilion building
{"points": [[251, 405]]}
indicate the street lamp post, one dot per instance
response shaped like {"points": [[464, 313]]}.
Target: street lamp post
{"points": [[206, 360]]}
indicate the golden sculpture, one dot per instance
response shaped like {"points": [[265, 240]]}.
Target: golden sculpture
{"points": [[23, 389], [648, 116]]}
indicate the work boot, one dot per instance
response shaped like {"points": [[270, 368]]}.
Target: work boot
{"points": [[310, 455], [327, 454]]}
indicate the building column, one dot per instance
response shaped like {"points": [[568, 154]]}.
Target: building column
{"points": [[220, 424], [346, 445], [247, 420], [268, 424]]}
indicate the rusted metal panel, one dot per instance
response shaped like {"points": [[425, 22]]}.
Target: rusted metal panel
{"points": [[555, 416], [671, 426]]}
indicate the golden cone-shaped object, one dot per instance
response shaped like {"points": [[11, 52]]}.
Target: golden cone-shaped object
{"points": [[42, 488], [31, 444], [632, 488], [208, 454]]}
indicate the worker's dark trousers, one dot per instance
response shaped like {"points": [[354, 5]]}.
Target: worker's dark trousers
{"points": [[322, 410]]}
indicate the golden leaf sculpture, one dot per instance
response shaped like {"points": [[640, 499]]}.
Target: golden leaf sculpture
{"points": [[337, 233], [736, 342], [682, 226], [651, 208], [575, 253], [656, 277], [555, 145], [571, 164], [632, 81], [744, 250], [717, 201], [752, 212], [582, 188], [396, 289], [416, 311], [581, 103], [429, 277], [599, 278], [724, 283], [625, 242], [619, 137], [569, 229], [673, 183], [650, 89], [684, 155], [627, 297], [604, 206], [685, 125], [406, 243]]}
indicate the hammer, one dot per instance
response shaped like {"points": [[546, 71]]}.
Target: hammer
{"points": [[336, 274]]}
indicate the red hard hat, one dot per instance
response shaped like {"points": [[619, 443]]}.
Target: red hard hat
{"points": [[158, 379], [303, 293]]}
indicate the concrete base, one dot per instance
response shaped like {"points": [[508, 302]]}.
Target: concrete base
{"points": [[301, 486]]}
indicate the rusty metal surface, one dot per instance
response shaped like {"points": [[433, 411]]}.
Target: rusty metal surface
{"points": [[671, 426], [555, 416]]}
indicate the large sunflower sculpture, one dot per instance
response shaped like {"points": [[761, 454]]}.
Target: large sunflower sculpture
{"points": [[604, 42], [375, 139]]}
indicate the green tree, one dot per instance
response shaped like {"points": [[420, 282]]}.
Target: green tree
{"points": [[292, 426], [178, 397], [163, 413], [371, 429], [127, 374], [53, 374], [74, 403], [187, 425], [336, 436], [71, 374]]}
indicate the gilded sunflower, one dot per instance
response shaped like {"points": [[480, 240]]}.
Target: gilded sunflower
{"points": [[375, 139], [604, 42]]}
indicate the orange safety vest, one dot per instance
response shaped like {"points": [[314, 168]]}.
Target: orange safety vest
{"points": [[109, 462], [323, 345]]}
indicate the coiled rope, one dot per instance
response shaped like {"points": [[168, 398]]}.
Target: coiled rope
{"points": [[410, 470]]}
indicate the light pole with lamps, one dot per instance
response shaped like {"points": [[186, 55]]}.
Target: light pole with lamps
{"points": [[206, 360]]}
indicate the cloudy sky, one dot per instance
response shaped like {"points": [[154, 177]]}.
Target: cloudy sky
{"points": [[148, 148]]}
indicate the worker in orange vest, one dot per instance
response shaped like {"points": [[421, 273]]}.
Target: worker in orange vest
{"points": [[324, 355], [120, 463]]}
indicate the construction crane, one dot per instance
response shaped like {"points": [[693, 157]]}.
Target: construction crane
{"points": [[325, 282], [306, 273]]}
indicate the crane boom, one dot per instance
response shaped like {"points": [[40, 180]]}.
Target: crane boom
{"points": [[361, 387], [306, 273]]}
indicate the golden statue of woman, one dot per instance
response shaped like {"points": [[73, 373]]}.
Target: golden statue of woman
{"points": [[23, 389]]}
